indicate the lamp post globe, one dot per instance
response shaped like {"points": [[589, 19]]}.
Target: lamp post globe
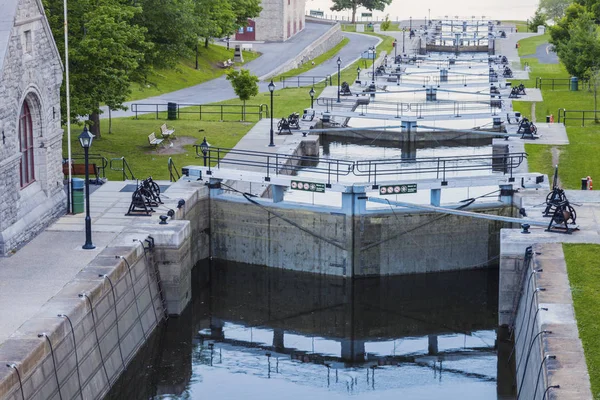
{"points": [[85, 139], [271, 89], [312, 96], [205, 147], [339, 64]]}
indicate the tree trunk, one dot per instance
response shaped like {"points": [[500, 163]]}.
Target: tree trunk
{"points": [[95, 124], [196, 55], [244, 111], [206, 43], [353, 13], [109, 121]]}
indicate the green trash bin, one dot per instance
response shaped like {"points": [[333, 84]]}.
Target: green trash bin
{"points": [[574, 84], [78, 196], [171, 111]]}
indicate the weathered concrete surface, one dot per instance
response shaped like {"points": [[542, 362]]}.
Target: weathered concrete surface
{"points": [[333, 241], [568, 369]]}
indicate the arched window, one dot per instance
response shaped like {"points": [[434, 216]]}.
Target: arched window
{"points": [[26, 146]]}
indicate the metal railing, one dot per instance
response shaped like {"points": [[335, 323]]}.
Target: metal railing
{"points": [[412, 109], [223, 111], [559, 83], [299, 81], [173, 172], [438, 167], [274, 163], [100, 161], [124, 167], [433, 167], [578, 115]]}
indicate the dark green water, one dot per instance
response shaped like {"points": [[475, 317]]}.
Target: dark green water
{"points": [[254, 332]]}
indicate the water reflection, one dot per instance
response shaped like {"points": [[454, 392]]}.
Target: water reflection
{"points": [[265, 332]]}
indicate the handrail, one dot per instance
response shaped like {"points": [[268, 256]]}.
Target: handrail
{"points": [[306, 80], [222, 110], [563, 115], [91, 157], [438, 167], [171, 166], [555, 83], [124, 168], [275, 163]]}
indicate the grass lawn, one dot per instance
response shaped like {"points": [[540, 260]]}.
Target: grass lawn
{"points": [[520, 25], [583, 267], [185, 74], [577, 159], [130, 137], [318, 61]]}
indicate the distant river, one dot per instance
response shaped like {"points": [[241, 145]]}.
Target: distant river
{"points": [[436, 9]]}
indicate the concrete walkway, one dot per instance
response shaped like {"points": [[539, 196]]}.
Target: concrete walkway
{"points": [[273, 56]]}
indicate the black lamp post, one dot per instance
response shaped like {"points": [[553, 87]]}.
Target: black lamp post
{"points": [[86, 141], [339, 63], [410, 23], [227, 38], [204, 146], [403, 34], [372, 48], [271, 89], [312, 96], [358, 73]]}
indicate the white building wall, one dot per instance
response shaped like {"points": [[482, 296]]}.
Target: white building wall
{"points": [[272, 23]]}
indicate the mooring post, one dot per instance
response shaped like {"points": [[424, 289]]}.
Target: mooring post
{"points": [[506, 194]]}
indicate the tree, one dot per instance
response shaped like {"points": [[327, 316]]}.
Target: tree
{"points": [[244, 9], [539, 19], [214, 19], [340, 5], [105, 50], [245, 85], [554, 9], [171, 26], [580, 52], [385, 25], [559, 33]]}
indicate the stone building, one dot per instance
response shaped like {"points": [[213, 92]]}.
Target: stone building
{"points": [[31, 180], [278, 21]]}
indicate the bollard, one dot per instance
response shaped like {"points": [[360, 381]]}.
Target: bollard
{"points": [[547, 119]]}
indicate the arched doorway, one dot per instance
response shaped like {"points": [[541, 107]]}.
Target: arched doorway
{"points": [[27, 169]]}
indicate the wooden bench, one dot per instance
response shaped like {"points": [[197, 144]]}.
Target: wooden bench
{"points": [[154, 141], [166, 132], [226, 64], [79, 169]]}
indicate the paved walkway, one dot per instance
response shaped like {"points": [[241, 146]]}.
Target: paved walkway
{"points": [[544, 54], [273, 56]]}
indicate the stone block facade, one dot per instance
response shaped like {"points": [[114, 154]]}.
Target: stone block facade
{"points": [[280, 20], [30, 79]]}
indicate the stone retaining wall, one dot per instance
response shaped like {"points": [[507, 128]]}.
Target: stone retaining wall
{"points": [[326, 42]]}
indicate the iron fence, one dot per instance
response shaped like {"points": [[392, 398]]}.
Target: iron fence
{"points": [[223, 111]]}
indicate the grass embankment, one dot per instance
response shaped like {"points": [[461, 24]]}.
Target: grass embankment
{"points": [[520, 25], [130, 137], [583, 268], [352, 27], [185, 73], [577, 159], [317, 61]]}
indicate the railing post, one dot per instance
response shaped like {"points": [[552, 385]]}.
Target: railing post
{"points": [[583, 118], [200, 111], [222, 112], [135, 106], [157, 111]]}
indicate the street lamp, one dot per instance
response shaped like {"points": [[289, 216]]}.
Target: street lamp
{"points": [[403, 34], [339, 63], [312, 96], [358, 73], [410, 23], [204, 146], [85, 139], [271, 89], [372, 48]]}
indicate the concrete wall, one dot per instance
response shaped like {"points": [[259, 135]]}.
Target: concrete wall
{"points": [[331, 241], [548, 350], [29, 73], [106, 337], [329, 40]]}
